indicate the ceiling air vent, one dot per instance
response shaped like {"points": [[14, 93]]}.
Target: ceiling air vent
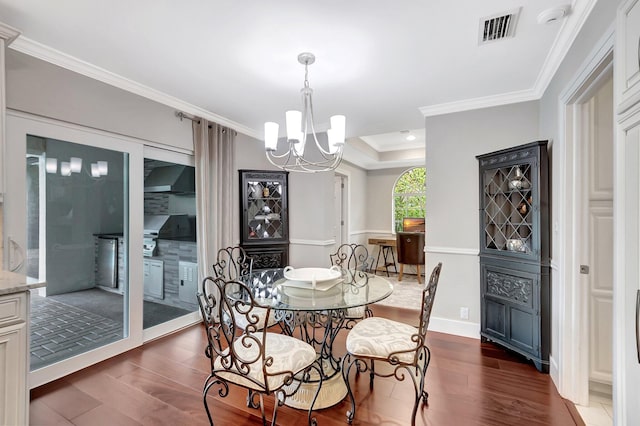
{"points": [[498, 27]]}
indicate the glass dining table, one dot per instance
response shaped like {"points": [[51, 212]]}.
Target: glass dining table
{"points": [[316, 315]]}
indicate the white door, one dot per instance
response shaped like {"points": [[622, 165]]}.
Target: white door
{"points": [[627, 272], [599, 238]]}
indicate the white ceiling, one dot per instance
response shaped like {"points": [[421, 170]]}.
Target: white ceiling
{"points": [[384, 64]]}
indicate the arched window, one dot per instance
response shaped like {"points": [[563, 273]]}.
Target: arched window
{"points": [[409, 196]]}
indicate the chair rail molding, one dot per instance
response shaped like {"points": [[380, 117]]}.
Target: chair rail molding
{"points": [[322, 243], [452, 250]]}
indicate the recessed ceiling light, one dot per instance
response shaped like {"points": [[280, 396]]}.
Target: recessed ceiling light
{"points": [[408, 134]]}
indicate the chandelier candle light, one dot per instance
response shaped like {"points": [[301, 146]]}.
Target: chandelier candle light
{"points": [[298, 126]]}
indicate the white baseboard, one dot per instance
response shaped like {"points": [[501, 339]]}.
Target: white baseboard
{"points": [[554, 372], [457, 328]]}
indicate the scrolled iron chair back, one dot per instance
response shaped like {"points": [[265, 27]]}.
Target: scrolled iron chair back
{"points": [[207, 297], [351, 256], [225, 338], [428, 296], [232, 263], [420, 339]]}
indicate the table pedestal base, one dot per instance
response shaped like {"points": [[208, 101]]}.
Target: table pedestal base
{"points": [[332, 392]]}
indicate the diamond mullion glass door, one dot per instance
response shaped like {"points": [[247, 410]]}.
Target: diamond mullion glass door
{"points": [[263, 200]]}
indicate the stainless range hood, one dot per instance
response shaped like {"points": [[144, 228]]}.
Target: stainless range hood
{"points": [[174, 179]]}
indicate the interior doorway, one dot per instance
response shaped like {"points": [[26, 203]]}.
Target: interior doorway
{"points": [[597, 233], [585, 227]]}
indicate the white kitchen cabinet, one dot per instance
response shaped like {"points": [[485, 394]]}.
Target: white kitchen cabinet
{"points": [[628, 55], [153, 278], [14, 353]]}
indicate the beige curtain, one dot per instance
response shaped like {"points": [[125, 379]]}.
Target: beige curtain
{"points": [[215, 174]]}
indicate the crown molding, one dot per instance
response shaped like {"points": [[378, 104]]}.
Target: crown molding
{"points": [[56, 57], [8, 33], [479, 103], [566, 36]]}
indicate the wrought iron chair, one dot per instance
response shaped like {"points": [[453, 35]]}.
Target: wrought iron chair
{"points": [[232, 263], [265, 363], [402, 346], [353, 258]]}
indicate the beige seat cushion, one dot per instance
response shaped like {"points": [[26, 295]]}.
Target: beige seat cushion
{"points": [[355, 313], [379, 337], [289, 354]]}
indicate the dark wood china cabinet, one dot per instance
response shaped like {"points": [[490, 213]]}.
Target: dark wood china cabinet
{"points": [[514, 250], [264, 224]]}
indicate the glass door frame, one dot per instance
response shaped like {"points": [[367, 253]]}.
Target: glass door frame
{"points": [[18, 126]]}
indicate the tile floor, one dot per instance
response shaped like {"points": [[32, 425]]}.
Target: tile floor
{"points": [[599, 412], [59, 331]]}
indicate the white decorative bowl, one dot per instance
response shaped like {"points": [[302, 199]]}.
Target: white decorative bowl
{"points": [[313, 276]]}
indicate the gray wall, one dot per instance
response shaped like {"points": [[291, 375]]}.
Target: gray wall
{"points": [[379, 193], [453, 141], [44, 89]]}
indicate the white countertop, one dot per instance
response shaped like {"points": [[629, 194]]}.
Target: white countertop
{"points": [[11, 282]]}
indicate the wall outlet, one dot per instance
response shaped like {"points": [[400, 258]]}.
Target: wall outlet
{"points": [[464, 313]]}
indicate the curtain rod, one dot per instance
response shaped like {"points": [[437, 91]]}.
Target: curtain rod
{"points": [[182, 115]]}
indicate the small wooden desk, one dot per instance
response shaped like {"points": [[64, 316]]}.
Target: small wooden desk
{"points": [[386, 246]]}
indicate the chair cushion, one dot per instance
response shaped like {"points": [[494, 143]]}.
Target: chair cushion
{"points": [[379, 337], [355, 313], [261, 313], [289, 354]]}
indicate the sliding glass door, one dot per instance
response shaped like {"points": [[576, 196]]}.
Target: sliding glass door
{"points": [[77, 210], [68, 202]]}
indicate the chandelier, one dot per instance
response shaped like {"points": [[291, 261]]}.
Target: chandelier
{"points": [[326, 156]]}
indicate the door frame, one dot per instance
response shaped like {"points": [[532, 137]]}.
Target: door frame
{"points": [[341, 196], [570, 364], [346, 204]]}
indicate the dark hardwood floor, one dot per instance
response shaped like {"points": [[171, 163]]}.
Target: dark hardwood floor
{"points": [[469, 383]]}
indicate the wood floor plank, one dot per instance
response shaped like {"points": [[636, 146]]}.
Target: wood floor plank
{"points": [[469, 383], [40, 414], [104, 416]]}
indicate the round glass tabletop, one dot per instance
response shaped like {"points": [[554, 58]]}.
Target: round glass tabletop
{"points": [[271, 289]]}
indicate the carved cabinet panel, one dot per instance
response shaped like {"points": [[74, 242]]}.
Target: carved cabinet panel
{"points": [[514, 250]]}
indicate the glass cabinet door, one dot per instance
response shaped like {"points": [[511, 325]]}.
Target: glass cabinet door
{"points": [[508, 208], [264, 199]]}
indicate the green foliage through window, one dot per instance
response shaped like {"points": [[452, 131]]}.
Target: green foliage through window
{"points": [[409, 196]]}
